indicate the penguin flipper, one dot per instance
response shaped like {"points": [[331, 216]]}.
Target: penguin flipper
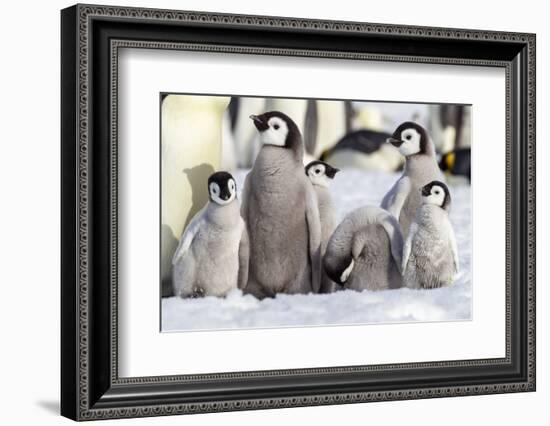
{"points": [[314, 233], [393, 229], [408, 246], [454, 247], [188, 235], [395, 198], [245, 195], [244, 254]]}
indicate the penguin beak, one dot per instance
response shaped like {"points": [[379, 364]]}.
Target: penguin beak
{"points": [[395, 142], [259, 122], [225, 193], [330, 173]]}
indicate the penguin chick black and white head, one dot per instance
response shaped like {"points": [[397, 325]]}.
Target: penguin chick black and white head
{"points": [[436, 193], [222, 188], [320, 173], [410, 139], [277, 129]]}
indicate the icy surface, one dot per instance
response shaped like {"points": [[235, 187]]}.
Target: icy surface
{"points": [[351, 189]]}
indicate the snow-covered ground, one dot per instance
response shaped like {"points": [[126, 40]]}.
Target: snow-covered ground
{"points": [[351, 189]]}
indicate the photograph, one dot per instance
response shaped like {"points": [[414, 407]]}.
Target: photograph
{"points": [[263, 209], [294, 212]]}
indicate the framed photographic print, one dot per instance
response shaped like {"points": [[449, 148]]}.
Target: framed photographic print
{"points": [[263, 212]]}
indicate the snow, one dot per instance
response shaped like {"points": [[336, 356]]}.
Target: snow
{"points": [[350, 189]]}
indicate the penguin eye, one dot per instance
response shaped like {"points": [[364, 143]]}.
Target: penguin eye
{"points": [[317, 171], [276, 126], [436, 192], [408, 137]]}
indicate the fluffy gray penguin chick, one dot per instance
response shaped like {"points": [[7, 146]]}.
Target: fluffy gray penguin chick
{"points": [[280, 210], [430, 254], [364, 252], [212, 255], [403, 199], [321, 174]]}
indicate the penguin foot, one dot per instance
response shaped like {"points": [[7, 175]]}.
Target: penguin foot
{"points": [[197, 292]]}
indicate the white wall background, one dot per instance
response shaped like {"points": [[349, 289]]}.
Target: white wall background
{"points": [[29, 211]]}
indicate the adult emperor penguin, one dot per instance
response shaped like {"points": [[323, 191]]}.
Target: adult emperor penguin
{"points": [[364, 252], [365, 149], [280, 209], [243, 133], [212, 255], [421, 167], [430, 254], [320, 174]]}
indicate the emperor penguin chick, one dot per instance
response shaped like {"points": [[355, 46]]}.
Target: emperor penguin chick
{"points": [[320, 174], [421, 167], [280, 210], [212, 255], [430, 255], [364, 252]]}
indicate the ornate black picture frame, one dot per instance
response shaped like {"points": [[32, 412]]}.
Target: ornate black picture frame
{"points": [[90, 38]]}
